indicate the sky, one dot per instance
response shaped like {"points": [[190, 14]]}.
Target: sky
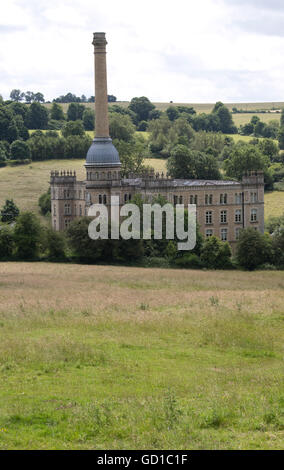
{"points": [[194, 51]]}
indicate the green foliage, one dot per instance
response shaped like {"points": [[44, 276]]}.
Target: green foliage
{"points": [[165, 135], [56, 112], [37, 117], [216, 254], [278, 245], [6, 242], [56, 245], [77, 146], [281, 138], [44, 203], [27, 236], [253, 249], [131, 155], [9, 212], [73, 128], [88, 119], [243, 158], [121, 127], [75, 111], [141, 107], [20, 150], [186, 163]]}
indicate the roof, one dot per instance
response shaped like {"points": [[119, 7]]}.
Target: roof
{"points": [[180, 182], [102, 153]]}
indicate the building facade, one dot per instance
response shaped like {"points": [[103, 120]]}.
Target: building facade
{"points": [[223, 207]]}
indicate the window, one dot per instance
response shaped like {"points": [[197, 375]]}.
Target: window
{"points": [[238, 230], [208, 199], [253, 215], [75, 210], [223, 198], [80, 209], [238, 198], [208, 218], [191, 200], [105, 199], [54, 224], [97, 175], [80, 194], [175, 200], [109, 175], [129, 197], [238, 216], [67, 209], [223, 217], [54, 209], [195, 200], [180, 199], [209, 233], [125, 197], [253, 197], [224, 234], [100, 199]]}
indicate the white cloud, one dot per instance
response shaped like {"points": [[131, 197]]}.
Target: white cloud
{"points": [[182, 51]]}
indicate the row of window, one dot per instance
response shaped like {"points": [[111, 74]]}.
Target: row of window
{"points": [[224, 233], [222, 200], [224, 216], [103, 175]]}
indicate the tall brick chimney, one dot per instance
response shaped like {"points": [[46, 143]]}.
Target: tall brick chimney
{"points": [[101, 104], [102, 152]]}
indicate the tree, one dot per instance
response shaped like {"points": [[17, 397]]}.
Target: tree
{"points": [[38, 97], [56, 244], [269, 148], [185, 163], [37, 117], [142, 107], [29, 96], [282, 118], [27, 236], [172, 113], [77, 146], [56, 112], [16, 95], [131, 155], [216, 254], [8, 128], [121, 127], [253, 249], [44, 203], [244, 158], [82, 245], [75, 111], [9, 212], [6, 242], [225, 117], [73, 128], [278, 245], [281, 138], [88, 119], [20, 150]]}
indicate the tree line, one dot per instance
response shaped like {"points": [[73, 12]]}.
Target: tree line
{"points": [[22, 237]]}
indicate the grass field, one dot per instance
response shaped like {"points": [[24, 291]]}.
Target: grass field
{"points": [[95, 357], [207, 108], [26, 183]]}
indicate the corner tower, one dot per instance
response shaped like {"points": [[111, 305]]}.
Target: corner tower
{"points": [[102, 155]]}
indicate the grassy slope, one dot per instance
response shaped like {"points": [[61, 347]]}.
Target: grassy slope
{"points": [[131, 358]]}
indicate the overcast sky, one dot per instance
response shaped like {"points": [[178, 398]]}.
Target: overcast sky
{"points": [[182, 50]]}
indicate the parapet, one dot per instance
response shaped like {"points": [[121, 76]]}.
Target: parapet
{"points": [[253, 177], [62, 177]]}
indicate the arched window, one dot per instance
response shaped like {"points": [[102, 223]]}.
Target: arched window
{"points": [[97, 175], [180, 199], [105, 199], [125, 197], [100, 199], [195, 200]]}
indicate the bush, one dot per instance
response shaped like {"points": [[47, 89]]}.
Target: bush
{"points": [[56, 245], [28, 236], [6, 242], [253, 249], [44, 203], [20, 150], [189, 260], [216, 254], [9, 212]]}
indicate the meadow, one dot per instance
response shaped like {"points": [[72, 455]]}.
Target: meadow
{"points": [[102, 357], [239, 119]]}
